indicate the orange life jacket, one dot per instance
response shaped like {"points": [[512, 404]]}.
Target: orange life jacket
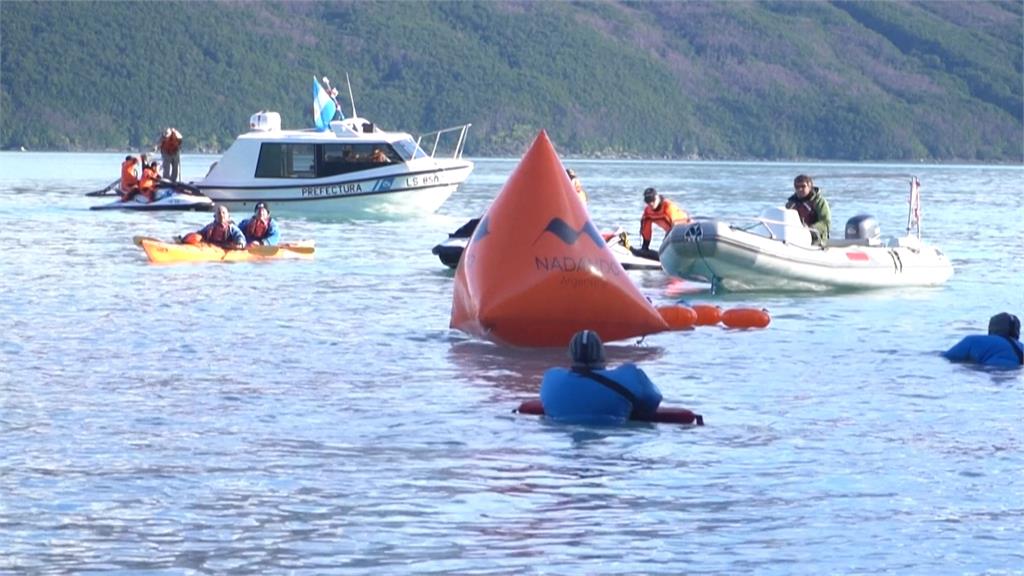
{"points": [[666, 216], [128, 180], [149, 182]]}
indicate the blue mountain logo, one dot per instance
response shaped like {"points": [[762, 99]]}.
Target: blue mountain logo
{"points": [[569, 235]]}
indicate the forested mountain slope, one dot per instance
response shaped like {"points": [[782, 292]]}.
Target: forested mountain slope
{"points": [[935, 80]]}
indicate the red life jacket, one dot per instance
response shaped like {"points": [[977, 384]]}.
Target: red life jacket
{"points": [[170, 144], [806, 211], [256, 228], [216, 235]]}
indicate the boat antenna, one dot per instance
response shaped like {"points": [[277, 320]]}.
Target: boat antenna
{"points": [[350, 97], [914, 213]]}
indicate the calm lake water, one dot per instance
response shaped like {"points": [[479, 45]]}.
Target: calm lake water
{"points": [[320, 417]]}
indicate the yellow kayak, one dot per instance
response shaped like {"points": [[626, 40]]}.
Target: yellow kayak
{"points": [[160, 252]]}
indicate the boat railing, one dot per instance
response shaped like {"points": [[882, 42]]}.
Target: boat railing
{"points": [[436, 136]]}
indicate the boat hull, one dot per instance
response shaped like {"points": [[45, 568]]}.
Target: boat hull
{"points": [[737, 260], [167, 201], [450, 251], [169, 253], [398, 191]]}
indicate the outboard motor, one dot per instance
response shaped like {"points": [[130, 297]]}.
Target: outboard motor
{"points": [[863, 227]]}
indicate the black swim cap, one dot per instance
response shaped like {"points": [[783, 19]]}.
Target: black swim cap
{"points": [[586, 350], [1004, 324]]}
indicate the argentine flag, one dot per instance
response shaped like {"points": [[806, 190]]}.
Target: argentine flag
{"points": [[323, 107]]}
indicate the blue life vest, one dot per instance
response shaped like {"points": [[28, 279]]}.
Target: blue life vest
{"points": [[580, 397]]}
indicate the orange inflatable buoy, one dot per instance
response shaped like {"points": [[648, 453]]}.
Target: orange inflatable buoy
{"points": [[537, 270], [707, 314], [192, 238], [678, 317], [746, 318]]}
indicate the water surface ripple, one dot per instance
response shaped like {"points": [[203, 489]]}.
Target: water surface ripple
{"points": [[320, 417]]}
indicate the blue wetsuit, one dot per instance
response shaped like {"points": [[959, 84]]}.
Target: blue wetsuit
{"points": [[270, 237], [575, 397], [987, 349]]}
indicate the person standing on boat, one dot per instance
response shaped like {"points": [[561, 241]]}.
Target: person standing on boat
{"points": [[129, 185], [577, 185], [661, 211], [170, 154], [809, 202], [589, 393], [222, 231], [260, 229], [1001, 347]]}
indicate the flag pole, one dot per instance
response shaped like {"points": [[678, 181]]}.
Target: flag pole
{"points": [[350, 97]]}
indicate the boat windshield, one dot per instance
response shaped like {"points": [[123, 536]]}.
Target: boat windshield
{"points": [[408, 149]]}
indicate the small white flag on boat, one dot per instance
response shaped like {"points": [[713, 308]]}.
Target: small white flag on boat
{"points": [[323, 107]]}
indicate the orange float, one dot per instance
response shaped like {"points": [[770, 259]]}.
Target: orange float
{"points": [[678, 317], [746, 318], [536, 270], [707, 314], [663, 414]]}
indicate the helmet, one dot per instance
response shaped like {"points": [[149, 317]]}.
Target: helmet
{"points": [[650, 195], [1004, 324], [192, 238], [570, 172], [259, 205], [586, 350]]}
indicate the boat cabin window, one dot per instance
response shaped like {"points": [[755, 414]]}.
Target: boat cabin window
{"points": [[342, 158], [286, 161], [279, 160], [409, 150]]}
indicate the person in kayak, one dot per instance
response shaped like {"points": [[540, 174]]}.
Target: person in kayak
{"points": [[809, 202], [222, 231], [260, 229], [661, 211], [577, 185], [589, 393], [1000, 347]]}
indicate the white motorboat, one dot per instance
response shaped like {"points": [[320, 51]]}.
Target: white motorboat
{"points": [[451, 249], [776, 253], [347, 168], [168, 197]]}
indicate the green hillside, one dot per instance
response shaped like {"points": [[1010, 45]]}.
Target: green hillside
{"points": [[934, 80]]}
